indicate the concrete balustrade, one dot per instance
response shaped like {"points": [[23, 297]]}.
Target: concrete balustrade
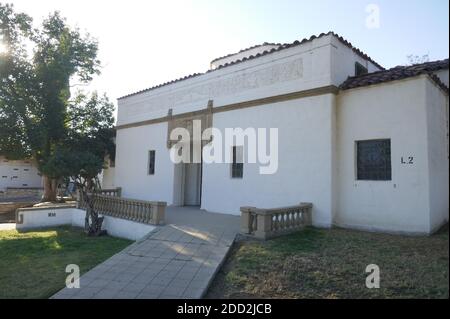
{"points": [[146, 212], [116, 192], [265, 223]]}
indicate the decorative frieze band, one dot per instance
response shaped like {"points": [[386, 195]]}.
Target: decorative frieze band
{"points": [[207, 112]]}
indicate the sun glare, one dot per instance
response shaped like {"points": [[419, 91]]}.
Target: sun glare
{"points": [[2, 47]]}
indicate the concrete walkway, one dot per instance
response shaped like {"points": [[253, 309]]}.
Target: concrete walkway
{"points": [[175, 261]]}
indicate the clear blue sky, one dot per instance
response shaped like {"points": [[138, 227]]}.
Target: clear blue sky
{"points": [[143, 43]]}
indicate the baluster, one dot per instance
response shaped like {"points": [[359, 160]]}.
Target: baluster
{"points": [[285, 220], [145, 217], [294, 219], [253, 224], [102, 205], [108, 206], [300, 217], [150, 212], [134, 216], [137, 212], [291, 219], [97, 202], [120, 208], [115, 208], [141, 209], [127, 209], [132, 211], [288, 219]]}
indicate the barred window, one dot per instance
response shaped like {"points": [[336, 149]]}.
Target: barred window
{"points": [[373, 160], [151, 162], [237, 167]]}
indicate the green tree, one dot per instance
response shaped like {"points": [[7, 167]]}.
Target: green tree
{"points": [[68, 134]]}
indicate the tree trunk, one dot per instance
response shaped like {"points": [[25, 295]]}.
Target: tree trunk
{"points": [[92, 221], [50, 187]]}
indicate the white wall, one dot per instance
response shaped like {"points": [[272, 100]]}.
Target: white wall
{"points": [[18, 174], [35, 218], [298, 68], [437, 119], [39, 218], [107, 177], [395, 110], [132, 149], [443, 76], [243, 54], [343, 61], [305, 170]]}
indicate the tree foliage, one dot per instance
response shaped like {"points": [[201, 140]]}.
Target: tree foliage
{"points": [[67, 133], [417, 59]]}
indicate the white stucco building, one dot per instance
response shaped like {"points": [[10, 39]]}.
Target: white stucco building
{"points": [[18, 174], [367, 146]]}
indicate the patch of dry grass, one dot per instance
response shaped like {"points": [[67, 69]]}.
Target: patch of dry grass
{"points": [[319, 263]]}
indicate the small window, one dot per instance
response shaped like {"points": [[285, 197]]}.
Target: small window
{"points": [[151, 162], [112, 163], [237, 167], [4, 176], [373, 160], [360, 69], [26, 170]]}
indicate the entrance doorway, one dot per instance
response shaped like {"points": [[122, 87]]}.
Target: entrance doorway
{"points": [[192, 184], [188, 183]]}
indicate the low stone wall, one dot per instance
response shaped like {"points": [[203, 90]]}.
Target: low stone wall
{"points": [[8, 207], [22, 192], [58, 215]]}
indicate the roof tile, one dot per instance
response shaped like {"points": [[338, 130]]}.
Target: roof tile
{"points": [[398, 73]]}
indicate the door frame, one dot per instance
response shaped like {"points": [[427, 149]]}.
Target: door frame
{"points": [[198, 184]]}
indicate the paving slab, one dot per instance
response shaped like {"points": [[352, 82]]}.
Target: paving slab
{"points": [[175, 261]]}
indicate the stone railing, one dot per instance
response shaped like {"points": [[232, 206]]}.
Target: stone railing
{"points": [[116, 192], [140, 211], [268, 223]]}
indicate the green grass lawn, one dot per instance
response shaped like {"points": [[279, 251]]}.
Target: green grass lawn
{"points": [[319, 263], [32, 264]]}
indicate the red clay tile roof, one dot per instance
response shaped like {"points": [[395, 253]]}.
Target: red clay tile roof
{"points": [[281, 47], [398, 73]]}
